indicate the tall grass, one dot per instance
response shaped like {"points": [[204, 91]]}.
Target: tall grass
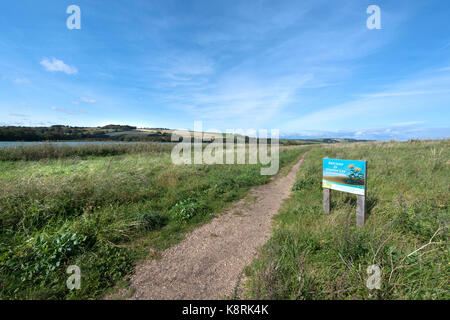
{"points": [[103, 213], [59, 151], [316, 256]]}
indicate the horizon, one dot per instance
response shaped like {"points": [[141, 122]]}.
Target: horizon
{"points": [[311, 69]]}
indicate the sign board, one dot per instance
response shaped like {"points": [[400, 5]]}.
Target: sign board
{"points": [[344, 175]]}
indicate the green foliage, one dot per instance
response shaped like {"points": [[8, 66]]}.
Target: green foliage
{"points": [[101, 268], [61, 151], [57, 132], [406, 231], [419, 218], [102, 213], [184, 210], [48, 253], [352, 244], [151, 220], [305, 183], [38, 261]]}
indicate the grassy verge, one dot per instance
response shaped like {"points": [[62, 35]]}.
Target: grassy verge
{"points": [[102, 213], [316, 256]]}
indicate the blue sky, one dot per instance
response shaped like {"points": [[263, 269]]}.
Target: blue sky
{"points": [[308, 68]]}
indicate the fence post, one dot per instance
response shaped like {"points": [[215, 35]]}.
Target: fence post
{"points": [[360, 209], [326, 200], [361, 202]]}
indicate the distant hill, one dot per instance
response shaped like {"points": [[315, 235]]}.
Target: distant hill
{"points": [[113, 132]]}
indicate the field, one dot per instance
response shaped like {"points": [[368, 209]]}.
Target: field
{"points": [[102, 208], [316, 256]]}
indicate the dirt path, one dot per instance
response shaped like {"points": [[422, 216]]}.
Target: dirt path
{"points": [[207, 264]]}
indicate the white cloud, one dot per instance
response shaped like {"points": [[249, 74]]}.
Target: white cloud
{"points": [[56, 65], [87, 100], [21, 81], [67, 111], [405, 93], [407, 123], [19, 115]]}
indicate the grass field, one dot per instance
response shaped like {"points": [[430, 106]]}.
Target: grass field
{"points": [[102, 208], [316, 256], [61, 151]]}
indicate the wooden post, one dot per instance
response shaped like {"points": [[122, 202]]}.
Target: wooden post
{"points": [[361, 203], [326, 200], [360, 209]]}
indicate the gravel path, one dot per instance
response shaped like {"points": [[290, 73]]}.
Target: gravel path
{"points": [[208, 263]]}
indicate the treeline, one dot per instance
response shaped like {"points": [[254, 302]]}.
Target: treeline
{"points": [[59, 132]]}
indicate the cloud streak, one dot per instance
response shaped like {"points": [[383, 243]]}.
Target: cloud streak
{"points": [[67, 111], [55, 65], [87, 100], [21, 81]]}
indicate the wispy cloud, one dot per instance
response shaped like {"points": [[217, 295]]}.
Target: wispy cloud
{"points": [[21, 81], [310, 66], [264, 80], [405, 93], [68, 111], [87, 100], [19, 115], [399, 103], [407, 123], [56, 65]]}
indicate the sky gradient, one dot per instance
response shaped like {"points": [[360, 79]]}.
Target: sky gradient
{"points": [[308, 68]]}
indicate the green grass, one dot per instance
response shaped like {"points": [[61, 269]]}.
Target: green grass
{"points": [[60, 151], [316, 256], [103, 213]]}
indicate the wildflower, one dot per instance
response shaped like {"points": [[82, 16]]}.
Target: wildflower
{"points": [[350, 166]]}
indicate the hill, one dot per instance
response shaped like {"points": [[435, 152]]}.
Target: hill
{"points": [[114, 132]]}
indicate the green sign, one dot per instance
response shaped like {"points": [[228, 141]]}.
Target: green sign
{"points": [[345, 175]]}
